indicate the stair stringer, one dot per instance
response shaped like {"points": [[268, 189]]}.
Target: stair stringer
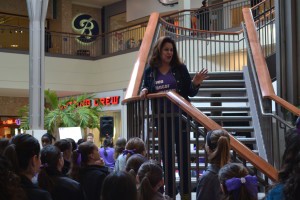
{"points": [[256, 117]]}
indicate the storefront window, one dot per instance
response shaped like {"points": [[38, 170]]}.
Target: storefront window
{"points": [[9, 126]]}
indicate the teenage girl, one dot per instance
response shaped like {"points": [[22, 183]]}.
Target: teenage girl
{"points": [[134, 146], [218, 150], [119, 186], [88, 169], [51, 178], [24, 156], [236, 183], [150, 180], [288, 187]]}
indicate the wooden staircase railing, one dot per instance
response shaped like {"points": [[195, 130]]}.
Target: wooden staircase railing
{"points": [[261, 65]]}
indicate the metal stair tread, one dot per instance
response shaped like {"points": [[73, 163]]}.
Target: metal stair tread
{"points": [[237, 128], [223, 108], [222, 89], [231, 118], [219, 99]]}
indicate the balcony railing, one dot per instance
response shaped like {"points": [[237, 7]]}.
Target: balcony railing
{"points": [[76, 45], [222, 16], [215, 51]]}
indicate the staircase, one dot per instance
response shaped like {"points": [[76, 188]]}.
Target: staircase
{"points": [[223, 97], [229, 99]]}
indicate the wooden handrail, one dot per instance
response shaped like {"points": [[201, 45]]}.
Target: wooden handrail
{"points": [[262, 71], [139, 66], [209, 124]]}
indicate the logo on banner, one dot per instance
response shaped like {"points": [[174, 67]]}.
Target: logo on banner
{"points": [[87, 27]]}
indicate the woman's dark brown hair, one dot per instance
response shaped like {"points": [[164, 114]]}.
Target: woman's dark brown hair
{"points": [[133, 163], [10, 187], [80, 158], [136, 144], [50, 156], [289, 174], [119, 185], [21, 149], [150, 174], [234, 170], [155, 59]]}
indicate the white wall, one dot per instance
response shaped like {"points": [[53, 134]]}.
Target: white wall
{"points": [[73, 75], [14, 71], [141, 8]]}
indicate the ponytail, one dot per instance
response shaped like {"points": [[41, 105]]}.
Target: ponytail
{"points": [[50, 156], [44, 180], [145, 191], [75, 165], [223, 150], [150, 176], [219, 144], [11, 154], [80, 158], [132, 172]]}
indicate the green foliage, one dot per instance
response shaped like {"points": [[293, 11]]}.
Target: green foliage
{"points": [[24, 113], [51, 99], [65, 113]]}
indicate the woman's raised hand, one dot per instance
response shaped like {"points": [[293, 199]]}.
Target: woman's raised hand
{"points": [[199, 77]]}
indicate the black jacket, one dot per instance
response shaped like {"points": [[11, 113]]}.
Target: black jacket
{"points": [[91, 179], [65, 188], [208, 186], [32, 191], [184, 86]]}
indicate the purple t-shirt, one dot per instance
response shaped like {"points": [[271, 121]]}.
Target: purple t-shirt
{"points": [[109, 158], [165, 83]]}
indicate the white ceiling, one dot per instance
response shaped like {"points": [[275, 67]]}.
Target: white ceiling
{"points": [[94, 3]]}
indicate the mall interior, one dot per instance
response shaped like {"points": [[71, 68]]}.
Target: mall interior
{"points": [[101, 47]]}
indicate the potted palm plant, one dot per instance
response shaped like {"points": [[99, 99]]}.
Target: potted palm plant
{"points": [[65, 113]]}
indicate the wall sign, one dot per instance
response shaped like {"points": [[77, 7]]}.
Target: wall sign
{"points": [[107, 101], [11, 122], [87, 27], [104, 101]]}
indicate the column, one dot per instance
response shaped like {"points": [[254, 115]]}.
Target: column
{"points": [[288, 49], [287, 58], [185, 5], [37, 10]]}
